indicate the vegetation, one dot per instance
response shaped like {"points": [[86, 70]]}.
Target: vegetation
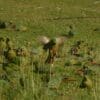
{"points": [[23, 72]]}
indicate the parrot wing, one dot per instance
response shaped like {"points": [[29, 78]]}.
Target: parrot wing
{"points": [[43, 40]]}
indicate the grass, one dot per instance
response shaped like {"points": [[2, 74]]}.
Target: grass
{"points": [[50, 18]]}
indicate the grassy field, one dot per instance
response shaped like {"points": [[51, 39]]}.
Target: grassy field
{"points": [[51, 18]]}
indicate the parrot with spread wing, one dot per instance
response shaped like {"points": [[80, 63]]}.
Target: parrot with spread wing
{"points": [[53, 46]]}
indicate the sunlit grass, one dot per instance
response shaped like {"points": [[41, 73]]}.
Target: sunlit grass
{"points": [[38, 16]]}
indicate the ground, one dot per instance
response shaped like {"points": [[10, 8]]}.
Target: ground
{"points": [[51, 18]]}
